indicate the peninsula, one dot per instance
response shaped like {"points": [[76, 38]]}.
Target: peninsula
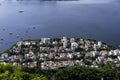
{"points": [[54, 53]]}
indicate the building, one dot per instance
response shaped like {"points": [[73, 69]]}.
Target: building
{"points": [[99, 44], [45, 40], [4, 55], [74, 46], [72, 40], [19, 43], [64, 41]]}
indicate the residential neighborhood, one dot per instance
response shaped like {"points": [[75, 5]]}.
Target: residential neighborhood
{"points": [[53, 53]]}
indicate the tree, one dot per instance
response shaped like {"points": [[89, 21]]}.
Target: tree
{"points": [[40, 78], [4, 76]]}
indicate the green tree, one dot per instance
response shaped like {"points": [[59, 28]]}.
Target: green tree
{"points": [[40, 78], [4, 76]]}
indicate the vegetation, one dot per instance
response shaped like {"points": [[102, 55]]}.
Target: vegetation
{"points": [[9, 72], [108, 72]]}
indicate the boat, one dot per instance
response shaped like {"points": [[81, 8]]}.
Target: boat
{"points": [[20, 11], [10, 33]]}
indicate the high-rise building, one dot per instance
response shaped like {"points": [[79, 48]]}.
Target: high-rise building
{"points": [[64, 41]]}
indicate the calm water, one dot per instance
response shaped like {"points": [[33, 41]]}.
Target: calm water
{"points": [[98, 19]]}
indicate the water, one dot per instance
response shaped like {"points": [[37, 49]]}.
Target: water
{"points": [[33, 19]]}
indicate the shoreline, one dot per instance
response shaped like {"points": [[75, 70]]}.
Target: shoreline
{"points": [[60, 38]]}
